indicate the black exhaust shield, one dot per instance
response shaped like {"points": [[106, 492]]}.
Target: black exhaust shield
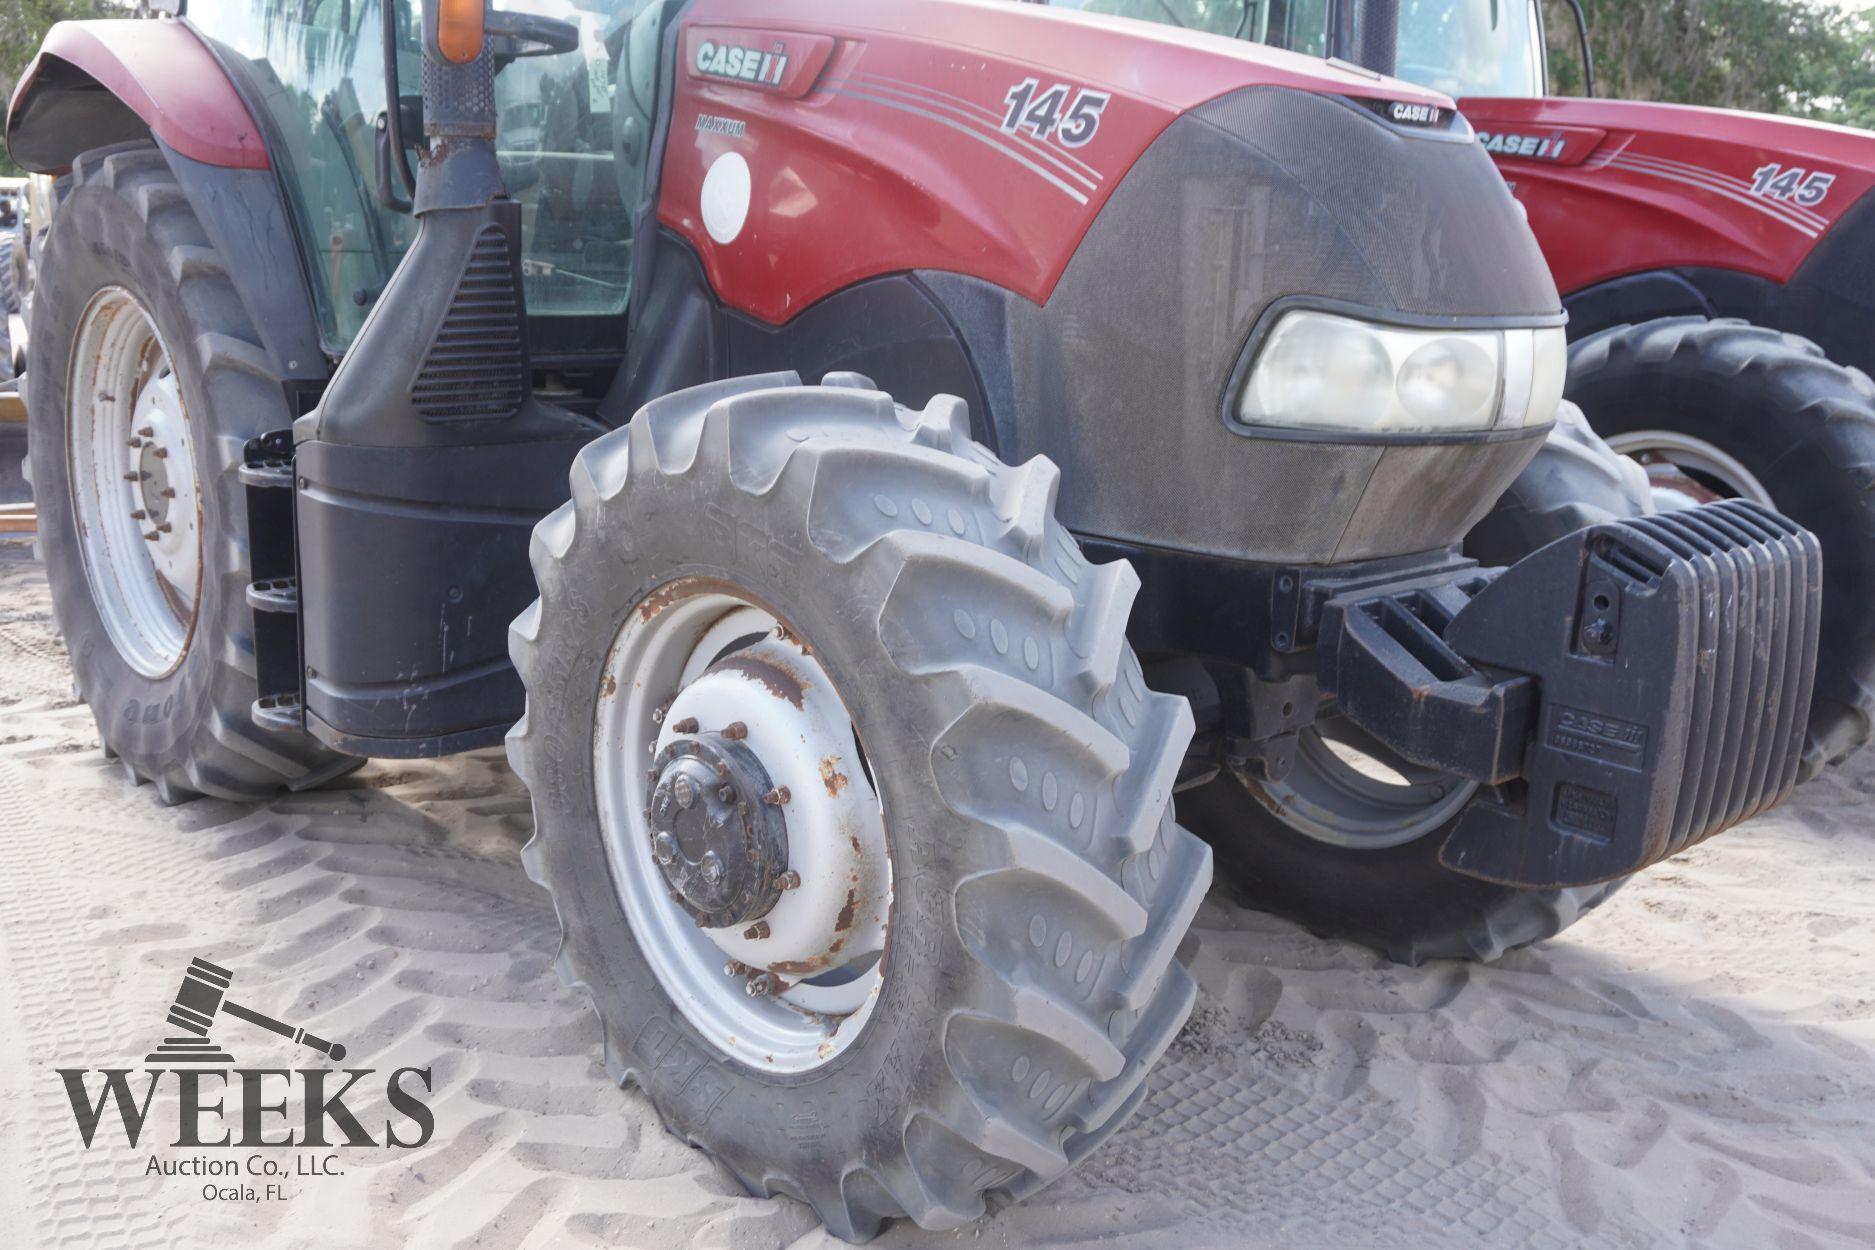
{"points": [[1623, 693]]}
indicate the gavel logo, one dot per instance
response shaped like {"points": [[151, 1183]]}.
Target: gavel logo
{"points": [[203, 994]]}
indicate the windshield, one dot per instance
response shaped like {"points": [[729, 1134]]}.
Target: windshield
{"points": [[1459, 47], [1470, 47]]}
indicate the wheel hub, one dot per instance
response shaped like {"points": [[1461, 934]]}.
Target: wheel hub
{"points": [[717, 830]]}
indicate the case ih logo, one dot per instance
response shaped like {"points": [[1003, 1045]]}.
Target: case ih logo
{"points": [[742, 64], [1408, 114], [1530, 147], [194, 1070]]}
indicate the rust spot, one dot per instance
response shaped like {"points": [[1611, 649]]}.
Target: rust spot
{"points": [[609, 687], [831, 776], [777, 681], [845, 919]]}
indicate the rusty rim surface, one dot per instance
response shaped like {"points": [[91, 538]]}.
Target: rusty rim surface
{"points": [[698, 661], [135, 495]]}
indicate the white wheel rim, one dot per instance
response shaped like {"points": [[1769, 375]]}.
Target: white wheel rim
{"points": [[703, 652], [133, 481], [1694, 456]]}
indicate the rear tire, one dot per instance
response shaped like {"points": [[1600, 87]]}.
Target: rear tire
{"points": [[1040, 886], [127, 227], [1399, 899], [1800, 425]]}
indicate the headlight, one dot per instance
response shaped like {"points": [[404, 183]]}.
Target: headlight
{"points": [[1320, 371]]}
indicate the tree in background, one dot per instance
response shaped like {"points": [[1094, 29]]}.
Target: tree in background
{"points": [[1801, 58]]}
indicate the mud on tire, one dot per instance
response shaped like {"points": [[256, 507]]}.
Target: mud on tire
{"points": [[1040, 883], [124, 222]]}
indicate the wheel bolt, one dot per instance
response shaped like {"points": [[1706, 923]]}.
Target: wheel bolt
{"points": [[150, 537], [161, 453], [163, 527], [135, 443], [735, 968], [776, 797], [136, 475], [664, 847], [148, 431], [688, 725], [736, 731], [684, 791], [757, 931], [761, 985], [712, 867], [789, 880], [138, 515], [168, 492]]}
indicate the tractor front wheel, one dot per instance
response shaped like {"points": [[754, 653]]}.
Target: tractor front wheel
{"points": [[852, 799]]}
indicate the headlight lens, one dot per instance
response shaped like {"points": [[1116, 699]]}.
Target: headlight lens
{"points": [[1321, 371]]}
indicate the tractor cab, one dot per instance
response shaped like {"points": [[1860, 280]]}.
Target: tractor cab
{"points": [[575, 127]]}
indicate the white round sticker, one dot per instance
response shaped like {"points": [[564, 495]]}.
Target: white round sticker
{"points": [[726, 197]]}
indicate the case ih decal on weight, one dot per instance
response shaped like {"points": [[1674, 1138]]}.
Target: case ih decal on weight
{"points": [[853, 711]]}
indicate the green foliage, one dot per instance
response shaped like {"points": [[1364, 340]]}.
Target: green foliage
{"points": [[1804, 58]]}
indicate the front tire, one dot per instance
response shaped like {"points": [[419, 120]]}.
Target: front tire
{"points": [[1754, 411], [1036, 884], [144, 534], [1349, 852]]}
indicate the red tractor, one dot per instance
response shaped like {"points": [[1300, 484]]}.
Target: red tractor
{"points": [[853, 726], [1718, 269]]}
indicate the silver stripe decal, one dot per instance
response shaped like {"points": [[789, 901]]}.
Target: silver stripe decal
{"points": [[962, 128], [1806, 216], [1751, 202], [1720, 185], [1081, 169]]}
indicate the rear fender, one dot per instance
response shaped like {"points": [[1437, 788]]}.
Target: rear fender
{"points": [[100, 82]]}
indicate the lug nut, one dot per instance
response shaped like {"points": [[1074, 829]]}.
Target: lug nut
{"points": [[777, 797], [148, 431], [658, 714], [736, 731], [726, 793], [789, 880], [688, 725], [135, 443], [138, 515], [684, 791], [163, 527], [168, 492], [150, 537], [735, 968], [712, 867], [757, 931], [761, 985], [161, 453], [664, 847], [136, 475]]}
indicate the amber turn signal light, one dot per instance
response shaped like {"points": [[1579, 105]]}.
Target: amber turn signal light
{"points": [[459, 29]]}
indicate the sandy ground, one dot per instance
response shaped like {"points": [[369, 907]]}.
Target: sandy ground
{"points": [[1693, 1065]]}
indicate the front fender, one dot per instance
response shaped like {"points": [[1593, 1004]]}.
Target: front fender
{"points": [[99, 82]]}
